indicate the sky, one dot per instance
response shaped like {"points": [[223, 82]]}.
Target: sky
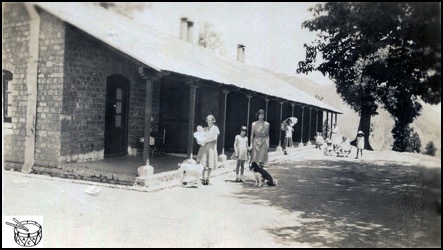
{"points": [[271, 32]]}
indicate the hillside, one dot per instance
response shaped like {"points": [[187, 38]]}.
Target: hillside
{"points": [[427, 125]]}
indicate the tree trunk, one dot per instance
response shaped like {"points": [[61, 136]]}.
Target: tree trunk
{"points": [[365, 126]]}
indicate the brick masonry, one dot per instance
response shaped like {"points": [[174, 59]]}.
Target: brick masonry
{"points": [[72, 72]]}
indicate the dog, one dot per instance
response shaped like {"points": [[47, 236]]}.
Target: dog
{"points": [[261, 175], [195, 170]]}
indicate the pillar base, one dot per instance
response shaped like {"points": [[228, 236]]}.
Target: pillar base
{"points": [[300, 145], [279, 148], [145, 171], [222, 159]]}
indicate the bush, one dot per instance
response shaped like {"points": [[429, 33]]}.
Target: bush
{"points": [[405, 139], [430, 149]]}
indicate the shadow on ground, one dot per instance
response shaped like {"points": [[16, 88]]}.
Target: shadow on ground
{"points": [[350, 204]]}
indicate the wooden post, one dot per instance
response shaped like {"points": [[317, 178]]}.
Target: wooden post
{"points": [[192, 93], [266, 116], [326, 121], [316, 121], [309, 128], [332, 118], [226, 92], [302, 116], [148, 112], [249, 109], [293, 104], [281, 118]]}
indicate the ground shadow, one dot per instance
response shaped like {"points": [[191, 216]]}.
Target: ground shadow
{"points": [[354, 204]]}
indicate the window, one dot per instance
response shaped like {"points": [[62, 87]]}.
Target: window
{"points": [[7, 77], [118, 107]]}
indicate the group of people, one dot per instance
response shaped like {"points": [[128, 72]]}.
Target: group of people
{"points": [[338, 144], [258, 149], [259, 144]]}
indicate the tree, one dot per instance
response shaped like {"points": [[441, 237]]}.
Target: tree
{"points": [[208, 38], [430, 148], [386, 54], [407, 140]]}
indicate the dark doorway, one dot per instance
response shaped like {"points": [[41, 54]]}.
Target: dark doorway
{"points": [[116, 124], [174, 115]]}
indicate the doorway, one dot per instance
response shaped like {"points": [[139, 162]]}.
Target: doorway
{"points": [[116, 120]]}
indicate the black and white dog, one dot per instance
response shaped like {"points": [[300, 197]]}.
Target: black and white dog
{"points": [[261, 175]]}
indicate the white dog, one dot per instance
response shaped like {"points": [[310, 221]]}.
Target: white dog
{"points": [[195, 170]]}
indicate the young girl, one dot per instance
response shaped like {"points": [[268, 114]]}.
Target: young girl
{"points": [[360, 143], [241, 152], [287, 127]]}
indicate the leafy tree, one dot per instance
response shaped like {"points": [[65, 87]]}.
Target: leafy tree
{"points": [[208, 38], [414, 143], [430, 148], [406, 140], [386, 54]]}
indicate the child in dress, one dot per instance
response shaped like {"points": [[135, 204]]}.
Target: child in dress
{"points": [[319, 141], [241, 152], [287, 127], [345, 147], [360, 143], [200, 136], [329, 148]]}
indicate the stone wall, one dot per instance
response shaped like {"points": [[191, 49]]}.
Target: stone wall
{"points": [[50, 90], [88, 63], [72, 71], [15, 53]]}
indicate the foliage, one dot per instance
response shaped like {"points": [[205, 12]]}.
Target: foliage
{"points": [[124, 8], [208, 38], [406, 139], [430, 149], [379, 53]]}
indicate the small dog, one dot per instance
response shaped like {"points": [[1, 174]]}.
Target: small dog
{"points": [[261, 175], [195, 170]]}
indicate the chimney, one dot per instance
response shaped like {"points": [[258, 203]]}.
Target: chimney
{"points": [[190, 31], [184, 28], [241, 53]]}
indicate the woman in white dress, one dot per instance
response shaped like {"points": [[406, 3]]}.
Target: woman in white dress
{"points": [[207, 154]]}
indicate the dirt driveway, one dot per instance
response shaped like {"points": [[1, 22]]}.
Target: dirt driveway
{"points": [[383, 200], [386, 199]]}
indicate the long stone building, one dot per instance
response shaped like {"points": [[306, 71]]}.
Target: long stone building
{"points": [[82, 88]]}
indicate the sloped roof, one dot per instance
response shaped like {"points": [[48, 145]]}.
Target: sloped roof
{"points": [[164, 52]]}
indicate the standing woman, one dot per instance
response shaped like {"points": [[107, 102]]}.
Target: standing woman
{"points": [[207, 154], [335, 136], [260, 139]]}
